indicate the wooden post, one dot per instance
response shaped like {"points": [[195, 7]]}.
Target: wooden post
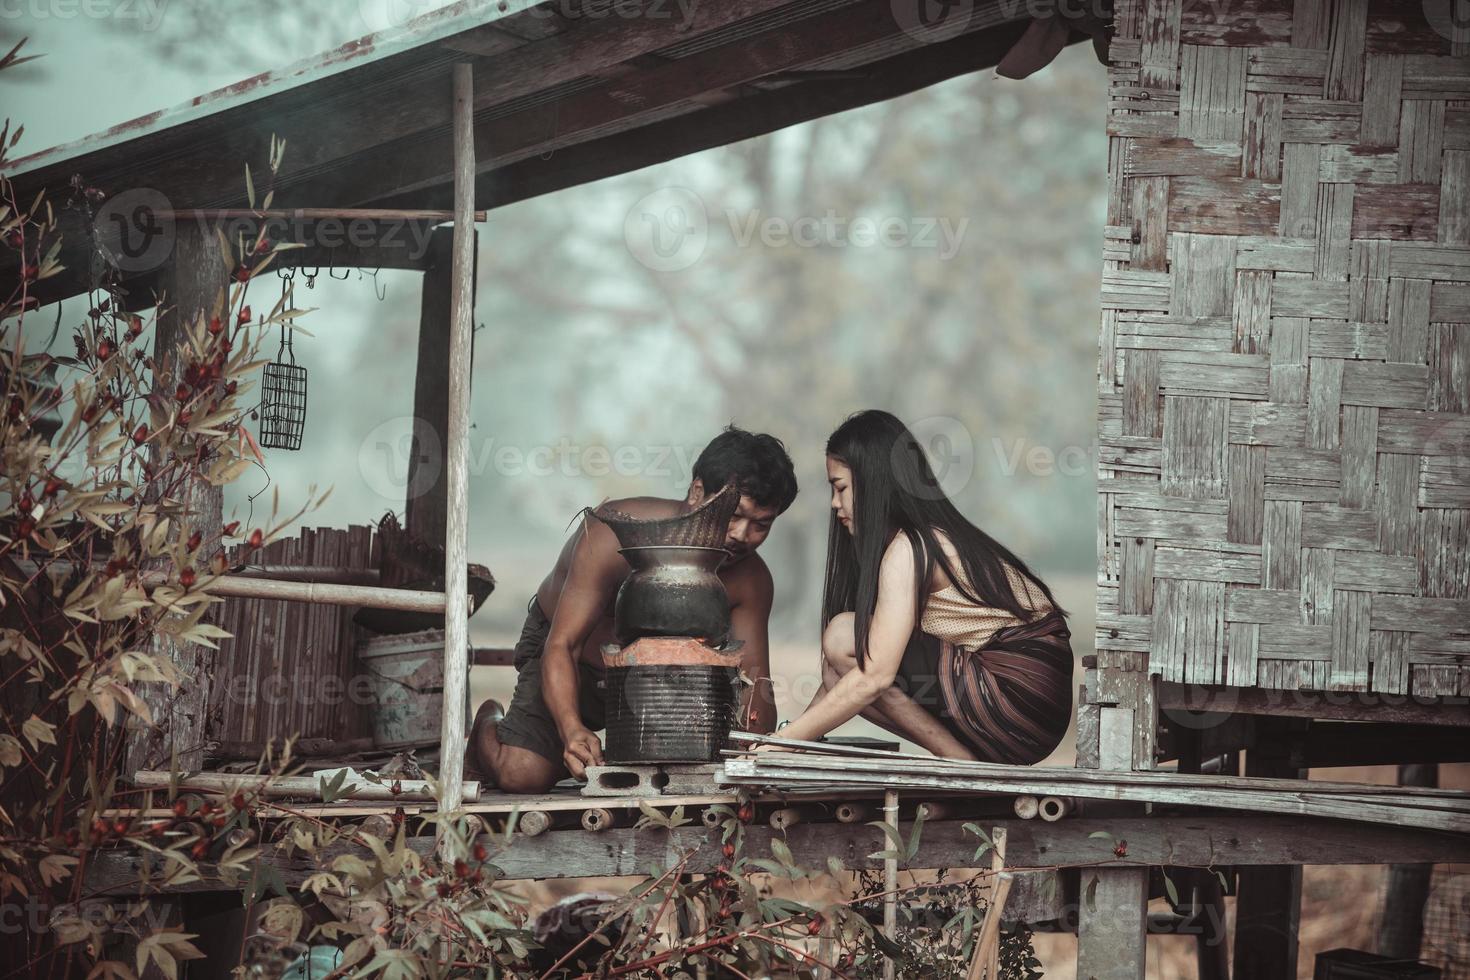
{"points": [[1211, 949], [194, 281], [456, 543], [1122, 721], [426, 504], [1402, 931], [1268, 900]]}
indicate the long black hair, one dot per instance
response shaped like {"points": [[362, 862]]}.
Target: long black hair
{"points": [[894, 491]]}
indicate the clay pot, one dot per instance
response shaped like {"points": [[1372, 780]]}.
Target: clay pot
{"points": [[673, 591]]}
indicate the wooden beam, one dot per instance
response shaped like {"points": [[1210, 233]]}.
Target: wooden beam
{"points": [[1401, 933], [1200, 841], [1448, 710], [457, 450], [196, 283], [1268, 900], [426, 513]]}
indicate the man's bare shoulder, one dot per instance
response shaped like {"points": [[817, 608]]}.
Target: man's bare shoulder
{"points": [[748, 580]]}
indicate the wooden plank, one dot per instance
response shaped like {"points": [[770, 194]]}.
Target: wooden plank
{"points": [[426, 514], [1159, 840]]}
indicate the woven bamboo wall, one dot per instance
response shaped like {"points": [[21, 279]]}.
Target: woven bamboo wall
{"points": [[290, 666], [1284, 369]]}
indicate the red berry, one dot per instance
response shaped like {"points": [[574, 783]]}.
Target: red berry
{"points": [[729, 851], [195, 540], [480, 852], [257, 538], [72, 837], [219, 821], [140, 434], [25, 504], [191, 375], [225, 344], [182, 393], [24, 527], [180, 808], [461, 870], [17, 406], [200, 848], [215, 325], [244, 316], [238, 801], [815, 926], [157, 828], [99, 825], [186, 578], [747, 812], [14, 238], [30, 272], [135, 326], [52, 486], [230, 388], [242, 274], [1120, 849], [229, 529], [262, 246], [185, 416], [104, 349], [119, 827], [206, 808], [443, 889]]}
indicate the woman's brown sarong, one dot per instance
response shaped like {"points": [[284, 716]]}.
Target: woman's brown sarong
{"points": [[1011, 700]]}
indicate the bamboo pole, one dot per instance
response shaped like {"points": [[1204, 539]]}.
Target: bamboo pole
{"points": [[890, 879], [247, 586], [310, 214], [278, 786], [456, 454]]}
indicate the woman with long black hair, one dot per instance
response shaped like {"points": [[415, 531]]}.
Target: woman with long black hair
{"points": [[930, 627]]}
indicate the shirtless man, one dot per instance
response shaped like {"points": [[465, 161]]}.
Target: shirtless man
{"points": [[548, 731]]}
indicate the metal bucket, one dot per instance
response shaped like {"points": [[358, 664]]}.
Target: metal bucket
{"points": [[669, 712], [406, 677]]}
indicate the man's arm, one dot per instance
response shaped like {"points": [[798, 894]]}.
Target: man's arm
{"points": [[750, 618], [593, 576]]}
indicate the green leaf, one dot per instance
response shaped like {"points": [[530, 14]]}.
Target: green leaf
{"points": [[913, 844], [1172, 891], [782, 853], [1092, 894], [1101, 834]]}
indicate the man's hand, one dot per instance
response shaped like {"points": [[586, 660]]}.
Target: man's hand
{"points": [[582, 749]]}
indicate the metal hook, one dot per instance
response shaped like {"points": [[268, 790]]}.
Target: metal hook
{"points": [[332, 266]]}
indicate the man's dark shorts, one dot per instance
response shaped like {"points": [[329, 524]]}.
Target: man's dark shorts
{"points": [[527, 723]]}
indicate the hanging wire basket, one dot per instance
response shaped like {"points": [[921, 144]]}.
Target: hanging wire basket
{"points": [[283, 398]]}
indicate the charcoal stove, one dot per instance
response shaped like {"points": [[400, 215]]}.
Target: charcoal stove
{"points": [[673, 676]]}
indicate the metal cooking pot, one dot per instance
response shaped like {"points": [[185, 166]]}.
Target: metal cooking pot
{"points": [[673, 590]]}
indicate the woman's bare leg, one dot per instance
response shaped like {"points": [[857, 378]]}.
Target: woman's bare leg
{"points": [[894, 710]]}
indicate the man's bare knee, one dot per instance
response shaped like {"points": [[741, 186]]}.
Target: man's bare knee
{"points": [[520, 770]]}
